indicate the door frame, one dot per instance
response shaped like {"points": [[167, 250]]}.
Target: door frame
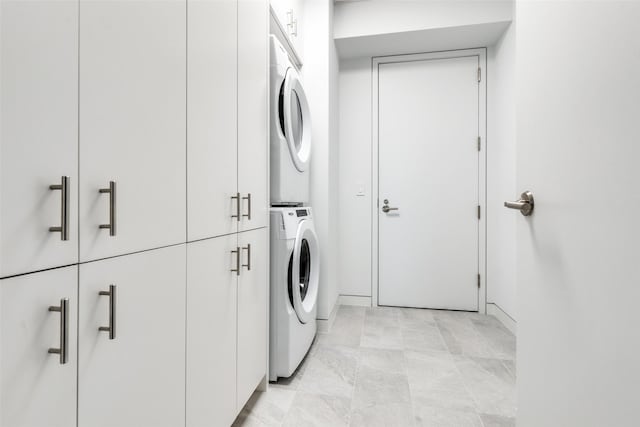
{"points": [[376, 61]]}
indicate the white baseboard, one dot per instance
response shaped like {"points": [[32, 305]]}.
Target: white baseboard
{"points": [[354, 300], [324, 325], [504, 318]]}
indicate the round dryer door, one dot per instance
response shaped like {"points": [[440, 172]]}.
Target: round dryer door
{"points": [[295, 120], [304, 273]]}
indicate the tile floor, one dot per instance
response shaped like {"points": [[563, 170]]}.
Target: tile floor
{"points": [[397, 367]]}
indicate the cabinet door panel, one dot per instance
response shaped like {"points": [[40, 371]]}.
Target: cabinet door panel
{"points": [[38, 133], [35, 389], [132, 124], [253, 136], [211, 332], [137, 378], [253, 298], [212, 118]]}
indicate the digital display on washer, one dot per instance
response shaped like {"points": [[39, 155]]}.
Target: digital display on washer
{"points": [[301, 212]]}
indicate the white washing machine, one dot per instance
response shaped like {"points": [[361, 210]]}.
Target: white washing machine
{"points": [[294, 289], [290, 131]]}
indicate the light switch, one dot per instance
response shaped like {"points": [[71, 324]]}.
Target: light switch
{"points": [[360, 192]]}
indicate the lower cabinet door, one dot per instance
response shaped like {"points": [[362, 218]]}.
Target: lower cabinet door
{"points": [[132, 340], [211, 332], [37, 382], [253, 324]]}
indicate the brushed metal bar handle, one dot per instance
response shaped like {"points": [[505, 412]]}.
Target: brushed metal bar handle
{"points": [[63, 309], [111, 293], [248, 249], [525, 205], [237, 269], [63, 229], [112, 208], [237, 199], [248, 199]]}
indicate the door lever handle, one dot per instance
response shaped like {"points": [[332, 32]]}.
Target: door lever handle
{"points": [[386, 208], [525, 205]]}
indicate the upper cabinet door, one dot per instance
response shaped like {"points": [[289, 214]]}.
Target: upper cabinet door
{"points": [[36, 388], [253, 322], [212, 118], [132, 340], [132, 126], [38, 135], [253, 114]]}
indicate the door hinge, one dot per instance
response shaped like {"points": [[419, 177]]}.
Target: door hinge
{"points": [[479, 74], [479, 143], [478, 211], [478, 280]]}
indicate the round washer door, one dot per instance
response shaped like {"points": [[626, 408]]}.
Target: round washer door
{"points": [[304, 272], [295, 120]]}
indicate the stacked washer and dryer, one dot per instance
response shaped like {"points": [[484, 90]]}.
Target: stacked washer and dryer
{"points": [[294, 246]]}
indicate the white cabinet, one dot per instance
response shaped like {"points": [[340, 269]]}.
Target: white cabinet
{"points": [[98, 97], [212, 118], [253, 322], [253, 113], [36, 389], [38, 134], [227, 117], [135, 377], [211, 332], [227, 325], [227, 150], [132, 125]]}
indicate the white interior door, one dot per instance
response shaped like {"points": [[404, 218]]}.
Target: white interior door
{"points": [[135, 376], [132, 125], [38, 133], [428, 127], [578, 149]]}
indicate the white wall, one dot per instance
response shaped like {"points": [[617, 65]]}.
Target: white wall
{"points": [[354, 263], [334, 156], [318, 72], [355, 156], [364, 18], [501, 173], [393, 27]]}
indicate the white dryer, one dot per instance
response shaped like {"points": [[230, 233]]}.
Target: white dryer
{"points": [[290, 131], [294, 289]]}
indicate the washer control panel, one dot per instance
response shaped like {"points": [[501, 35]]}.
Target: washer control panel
{"points": [[291, 218]]}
